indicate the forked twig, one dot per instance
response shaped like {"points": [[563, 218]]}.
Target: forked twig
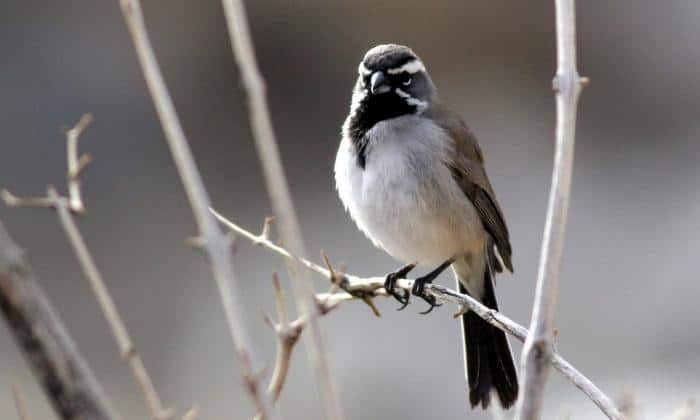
{"points": [[65, 208], [374, 286], [280, 196], [215, 243], [288, 332], [287, 336], [76, 163]]}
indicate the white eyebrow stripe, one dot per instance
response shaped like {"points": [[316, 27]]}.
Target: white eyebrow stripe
{"points": [[412, 67]]}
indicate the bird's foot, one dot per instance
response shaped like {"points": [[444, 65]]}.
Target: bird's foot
{"points": [[419, 286], [419, 290], [390, 285]]}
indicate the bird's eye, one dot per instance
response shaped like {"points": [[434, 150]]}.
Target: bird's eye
{"points": [[406, 81]]}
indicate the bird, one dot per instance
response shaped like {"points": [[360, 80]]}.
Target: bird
{"points": [[411, 175]]}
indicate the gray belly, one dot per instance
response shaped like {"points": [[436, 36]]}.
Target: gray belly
{"points": [[409, 205], [417, 219]]}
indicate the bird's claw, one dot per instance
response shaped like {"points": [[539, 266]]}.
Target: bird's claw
{"points": [[390, 285], [419, 290]]}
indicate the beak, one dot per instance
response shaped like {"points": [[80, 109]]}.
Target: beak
{"points": [[378, 83]]}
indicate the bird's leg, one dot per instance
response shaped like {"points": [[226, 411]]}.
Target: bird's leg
{"points": [[390, 284], [419, 285]]}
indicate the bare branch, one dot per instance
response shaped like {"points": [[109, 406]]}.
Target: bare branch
{"points": [[215, 242], [538, 349], [288, 333], [61, 370], [287, 336], [12, 200], [278, 190], [76, 164], [20, 403], [374, 286], [65, 208]]}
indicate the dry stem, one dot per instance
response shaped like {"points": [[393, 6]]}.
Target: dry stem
{"points": [[538, 349], [358, 287], [276, 182], [214, 241], [65, 208], [69, 384]]}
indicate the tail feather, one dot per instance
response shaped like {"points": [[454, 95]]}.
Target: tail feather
{"points": [[489, 361]]}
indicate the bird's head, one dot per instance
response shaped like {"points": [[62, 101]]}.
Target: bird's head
{"points": [[393, 81]]}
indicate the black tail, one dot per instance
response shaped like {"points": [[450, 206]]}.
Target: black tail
{"points": [[489, 362]]}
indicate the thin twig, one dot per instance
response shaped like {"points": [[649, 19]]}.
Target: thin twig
{"points": [[374, 286], [121, 335], [287, 336], [20, 403], [65, 208], [278, 190], [288, 332], [69, 384], [76, 164], [214, 241], [192, 414], [538, 349]]}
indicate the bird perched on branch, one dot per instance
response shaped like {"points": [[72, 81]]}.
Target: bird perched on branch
{"points": [[411, 174]]}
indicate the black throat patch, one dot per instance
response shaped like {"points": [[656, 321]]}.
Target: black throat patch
{"points": [[371, 110]]}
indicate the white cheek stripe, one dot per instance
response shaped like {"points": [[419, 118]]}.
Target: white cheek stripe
{"points": [[420, 105], [412, 67]]}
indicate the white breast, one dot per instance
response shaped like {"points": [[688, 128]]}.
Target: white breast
{"points": [[405, 199]]}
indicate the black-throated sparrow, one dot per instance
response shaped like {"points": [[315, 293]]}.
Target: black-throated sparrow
{"points": [[412, 176]]}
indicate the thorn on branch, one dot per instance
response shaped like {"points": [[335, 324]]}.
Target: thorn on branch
{"points": [[374, 287], [192, 413], [76, 164], [461, 310], [325, 305], [195, 242], [81, 125], [83, 161], [66, 206], [368, 300], [265, 233], [340, 280]]}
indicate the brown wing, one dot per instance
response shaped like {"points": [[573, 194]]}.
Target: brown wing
{"points": [[467, 166]]}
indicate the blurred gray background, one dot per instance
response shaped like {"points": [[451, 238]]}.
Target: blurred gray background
{"points": [[628, 312]]}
